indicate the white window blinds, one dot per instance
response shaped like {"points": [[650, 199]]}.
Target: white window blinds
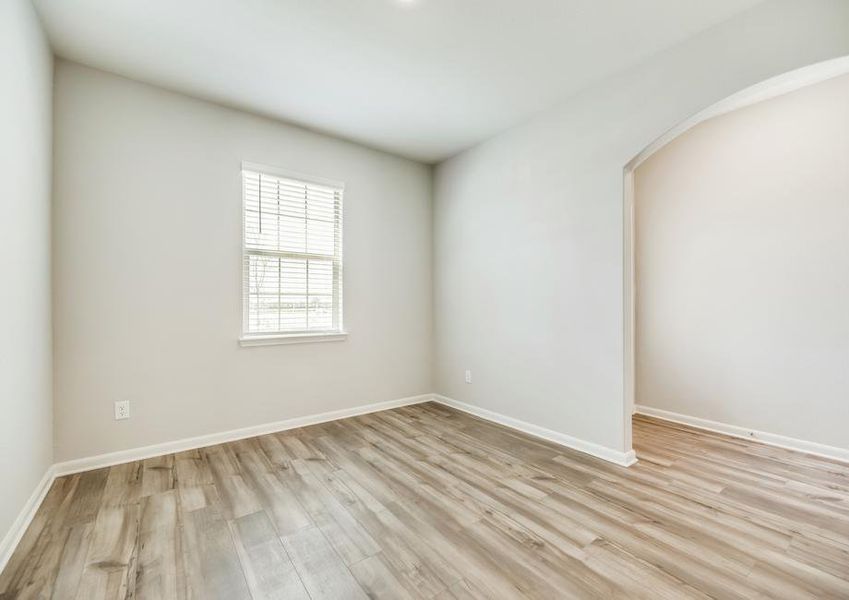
{"points": [[292, 255]]}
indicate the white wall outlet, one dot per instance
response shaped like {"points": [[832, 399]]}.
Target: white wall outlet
{"points": [[122, 410], [468, 376]]}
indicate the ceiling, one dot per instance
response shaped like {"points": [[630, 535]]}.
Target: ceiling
{"points": [[420, 78]]}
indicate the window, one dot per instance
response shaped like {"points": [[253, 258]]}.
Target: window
{"points": [[292, 257]]}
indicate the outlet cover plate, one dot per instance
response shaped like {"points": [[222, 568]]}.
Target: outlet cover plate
{"points": [[122, 410]]}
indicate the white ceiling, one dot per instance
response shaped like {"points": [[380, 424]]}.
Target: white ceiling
{"points": [[420, 78]]}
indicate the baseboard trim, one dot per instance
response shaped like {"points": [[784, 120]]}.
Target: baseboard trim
{"points": [[124, 456], [623, 459], [22, 522], [771, 439]]}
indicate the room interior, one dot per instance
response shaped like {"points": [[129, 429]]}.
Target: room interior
{"points": [[424, 299]]}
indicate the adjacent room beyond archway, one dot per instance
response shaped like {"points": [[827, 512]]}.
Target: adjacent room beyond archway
{"points": [[742, 272]]}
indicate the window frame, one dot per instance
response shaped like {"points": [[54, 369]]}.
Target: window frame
{"points": [[247, 338]]}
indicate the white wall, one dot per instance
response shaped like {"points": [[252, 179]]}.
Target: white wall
{"points": [[147, 270], [26, 443], [528, 263], [742, 255]]}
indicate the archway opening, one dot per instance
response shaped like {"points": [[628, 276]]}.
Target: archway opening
{"points": [[767, 90]]}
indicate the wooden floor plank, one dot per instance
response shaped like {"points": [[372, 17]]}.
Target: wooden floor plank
{"points": [[72, 563], [160, 568], [108, 564], [378, 581], [427, 502], [325, 576], [213, 569], [268, 569]]}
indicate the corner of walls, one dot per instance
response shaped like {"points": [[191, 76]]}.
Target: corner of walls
{"points": [[432, 274]]}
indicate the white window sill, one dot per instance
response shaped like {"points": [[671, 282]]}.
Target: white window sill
{"points": [[294, 338]]}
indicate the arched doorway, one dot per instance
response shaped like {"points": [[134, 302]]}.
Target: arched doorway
{"points": [[768, 89]]}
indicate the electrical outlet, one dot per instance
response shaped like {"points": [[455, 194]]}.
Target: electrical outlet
{"points": [[468, 376], [122, 410]]}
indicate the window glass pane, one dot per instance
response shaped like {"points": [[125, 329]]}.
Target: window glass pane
{"points": [[320, 312], [294, 275], [321, 277], [264, 275], [293, 313]]}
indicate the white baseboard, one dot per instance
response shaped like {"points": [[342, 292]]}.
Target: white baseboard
{"points": [[623, 459], [772, 439], [124, 456], [19, 527]]}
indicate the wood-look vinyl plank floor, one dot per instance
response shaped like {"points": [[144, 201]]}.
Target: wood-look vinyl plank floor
{"points": [[428, 502]]}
